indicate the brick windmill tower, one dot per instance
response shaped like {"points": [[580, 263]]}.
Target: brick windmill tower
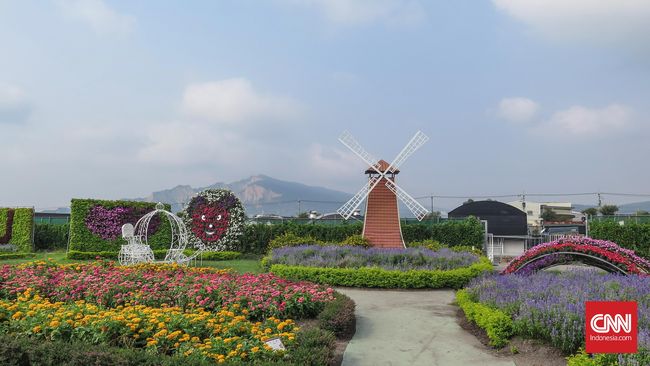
{"points": [[382, 221]]}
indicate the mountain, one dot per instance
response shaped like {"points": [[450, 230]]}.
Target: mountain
{"points": [[262, 194]]}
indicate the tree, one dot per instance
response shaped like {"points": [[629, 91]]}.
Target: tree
{"points": [[591, 211], [469, 200], [432, 215], [549, 215], [608, 210], [642, 213], [303, 215]]}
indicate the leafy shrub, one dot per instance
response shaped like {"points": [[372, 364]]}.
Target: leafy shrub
{"points": [[82, 239], [467, 249], [497, 324], [22, 350], [634, 236], [17, 228], [356, 240], [291, 240], [51, 236], [158, 254], [15, 255], [382, 278], [582, 358], [338, 316], [429, 244], [257, 237]]}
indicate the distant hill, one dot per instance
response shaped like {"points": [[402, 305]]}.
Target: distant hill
{"points": [[262, 194]]}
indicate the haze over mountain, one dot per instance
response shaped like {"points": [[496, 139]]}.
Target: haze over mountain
{"points": [[262, 194]]}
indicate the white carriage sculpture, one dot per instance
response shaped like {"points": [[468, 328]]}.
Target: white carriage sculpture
{"points": [[137, 249]]}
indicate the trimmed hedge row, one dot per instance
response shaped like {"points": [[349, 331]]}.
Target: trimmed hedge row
{"points": [[17, 228], [497, 324], [257, 237], [158, 254], [382, 278], [83, 240], [635, 236], [4, 256]]}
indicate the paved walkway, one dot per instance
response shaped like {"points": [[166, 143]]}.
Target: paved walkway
{"points": [[412, 328]]}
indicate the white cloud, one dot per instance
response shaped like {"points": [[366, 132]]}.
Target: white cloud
{"points": [[583, 122], [517, 109], [364, 12], [596, 21], [326, 160], [99, 16], [14, 104], [234, 101]]}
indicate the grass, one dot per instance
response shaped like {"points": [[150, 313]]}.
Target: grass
{"points": [[238, 265]]}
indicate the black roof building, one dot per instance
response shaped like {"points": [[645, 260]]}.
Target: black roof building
{"points": [[502, 219]]}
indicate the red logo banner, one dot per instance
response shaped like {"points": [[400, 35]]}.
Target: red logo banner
{"points": [[611, 327]]}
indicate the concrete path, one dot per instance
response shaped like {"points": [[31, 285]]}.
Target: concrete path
{"points": [[412, 328]]}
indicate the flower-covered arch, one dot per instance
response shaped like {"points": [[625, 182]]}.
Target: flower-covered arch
{"points": [[215, 218], [598, 253]]}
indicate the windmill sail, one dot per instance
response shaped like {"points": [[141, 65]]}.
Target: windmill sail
{"points": [[418, 210], [348, 208]]}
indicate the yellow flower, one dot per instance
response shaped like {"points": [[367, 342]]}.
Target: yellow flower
{"points": [[255, 349], [54, 323], [17, 315], [37, 329]]}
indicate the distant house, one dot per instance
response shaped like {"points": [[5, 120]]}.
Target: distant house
{"points": [[534, 211], [506, 225]]}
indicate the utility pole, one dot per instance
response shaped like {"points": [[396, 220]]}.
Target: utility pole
{"points": [[299, 208], [600, 200]]}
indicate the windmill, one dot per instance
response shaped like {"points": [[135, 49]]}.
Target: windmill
{"points": [[381, 224]]}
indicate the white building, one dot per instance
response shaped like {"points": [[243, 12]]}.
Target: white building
{"points": [[534, 210]]}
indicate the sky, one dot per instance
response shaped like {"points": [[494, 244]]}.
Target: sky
{"points": [[112, 99]]}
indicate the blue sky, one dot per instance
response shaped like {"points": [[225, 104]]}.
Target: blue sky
{"points": [[110, 99]]}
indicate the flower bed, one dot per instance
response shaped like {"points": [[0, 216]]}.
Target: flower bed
{"points": [[359, 257], [108, 285], [551, 306], [606, 250], [189, 314], [221, 335]]}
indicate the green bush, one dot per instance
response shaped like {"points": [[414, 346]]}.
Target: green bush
{"points": [[83, 240], [468, 249], [257, 237], [497, 324], [19, 351], [4, 256], [382, 278], [338, 316], [429, 244], [634, 236], [356, 240], [17, 228], [582, 358], [290, 239], [158, 254], [51, 236]]}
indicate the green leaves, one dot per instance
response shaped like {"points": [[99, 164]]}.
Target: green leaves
{"points": [[497, 324]]}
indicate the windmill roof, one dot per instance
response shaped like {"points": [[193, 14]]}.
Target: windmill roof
{"points": [[382, 165]]}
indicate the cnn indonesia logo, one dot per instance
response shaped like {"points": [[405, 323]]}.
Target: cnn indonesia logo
{"points": [[611, 327]]}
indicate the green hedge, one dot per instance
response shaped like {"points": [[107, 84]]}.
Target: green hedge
{"points": [[378, 277], [497, 324], [17, 228], [158, 254], [582, 358], [468, 232], [83, 240], [4, 256], [632, 235], [51, 236]]}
